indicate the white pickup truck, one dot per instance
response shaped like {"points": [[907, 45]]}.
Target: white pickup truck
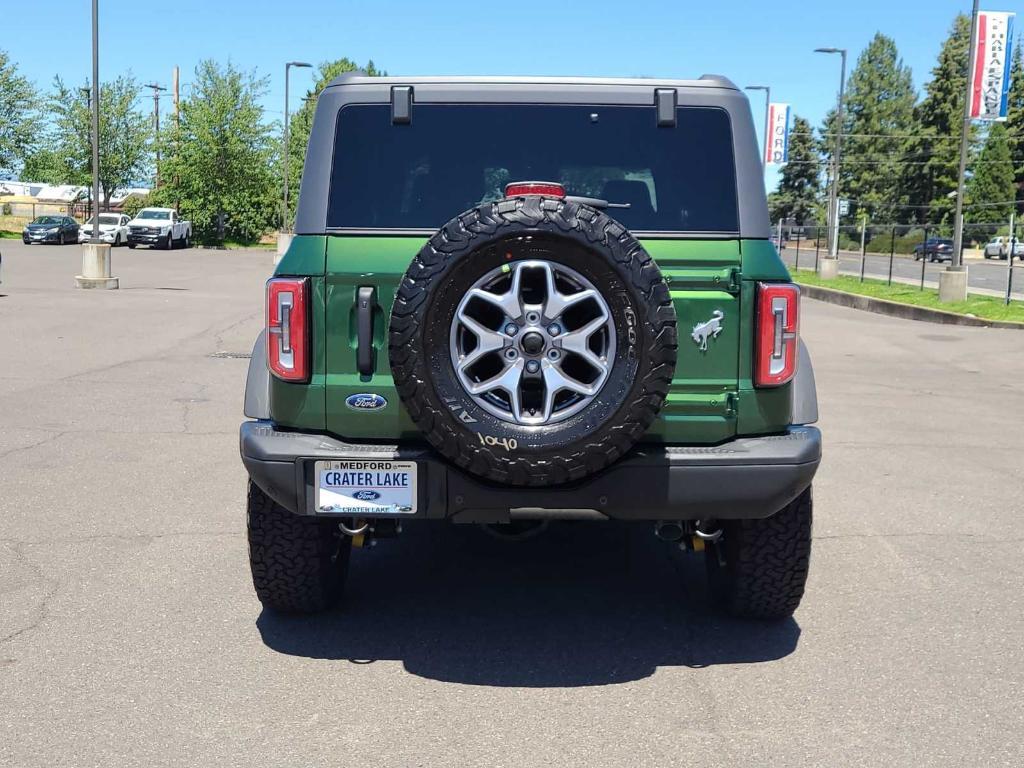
{"points": [[160, 228]]}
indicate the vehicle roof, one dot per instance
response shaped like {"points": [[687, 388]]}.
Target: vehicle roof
{"points": [[708, 91], [156, 208], [704, 81]]}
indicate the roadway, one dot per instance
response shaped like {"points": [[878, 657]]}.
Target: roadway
{"points": [[130, 635]]}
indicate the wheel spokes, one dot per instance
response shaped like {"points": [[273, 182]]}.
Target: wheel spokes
{"points": [[578, 342], [508, 381], [540, 355], [487, 341], [556, 381], [557, 302], [510, 302]]}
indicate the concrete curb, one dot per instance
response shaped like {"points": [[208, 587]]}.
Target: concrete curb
{"points": [[904, 311]]}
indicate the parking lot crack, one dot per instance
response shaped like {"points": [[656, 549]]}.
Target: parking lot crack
{"points": [[42, 613], [22, 448]]}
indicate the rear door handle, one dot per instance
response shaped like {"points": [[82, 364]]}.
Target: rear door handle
{"points": [[366, 303]]}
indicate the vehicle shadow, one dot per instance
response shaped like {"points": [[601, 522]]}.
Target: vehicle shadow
{"points": [[581, 604]]}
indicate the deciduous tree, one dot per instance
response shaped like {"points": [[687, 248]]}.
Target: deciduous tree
{"points": [[217, 158], [19, 119], [125, 134]]}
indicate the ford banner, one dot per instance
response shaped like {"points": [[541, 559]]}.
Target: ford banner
{"points": [[990, 69], [776, 145]]}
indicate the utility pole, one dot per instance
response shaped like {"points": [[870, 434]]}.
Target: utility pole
{"points": [[156, 124], [767, 106], [833, 195], [285, 218], [956, 263], [175, 92]]}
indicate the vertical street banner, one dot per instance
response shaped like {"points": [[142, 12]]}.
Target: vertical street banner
{"points": [[776, 144], [990, 70]]}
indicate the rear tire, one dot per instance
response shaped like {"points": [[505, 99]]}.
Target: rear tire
{"points": [[298, 563], [131, 246], [765, 562]]}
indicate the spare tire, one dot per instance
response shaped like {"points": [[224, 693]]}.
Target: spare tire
{"points": [[533, 340]]}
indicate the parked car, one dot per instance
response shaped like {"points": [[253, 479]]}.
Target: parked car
{"points": [[159, 228], [51, 229], [934, 249], [999, 247], [113, 229], [497, 356]]}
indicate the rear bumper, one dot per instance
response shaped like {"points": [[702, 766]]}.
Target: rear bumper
{"points": [[750, 477]]}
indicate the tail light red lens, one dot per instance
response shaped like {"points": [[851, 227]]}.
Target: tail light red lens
{"points": [[549, 188], [288, 328], [778, 329]]}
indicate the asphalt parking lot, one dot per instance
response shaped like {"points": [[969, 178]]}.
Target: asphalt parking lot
{"points": [[130, 635]]}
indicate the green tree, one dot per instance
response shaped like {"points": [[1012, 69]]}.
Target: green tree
{"points": [[990, 189], [931, 159], [19, 119], [217, 158], [124, 134], [46, 165], [301, 122], [797, 195], [1015, 120], [879, 113]]}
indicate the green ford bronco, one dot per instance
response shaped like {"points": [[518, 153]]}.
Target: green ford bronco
{"points": [[515, 300]]}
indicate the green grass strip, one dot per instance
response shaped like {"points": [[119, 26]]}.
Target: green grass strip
{"points": [[985, 307]]}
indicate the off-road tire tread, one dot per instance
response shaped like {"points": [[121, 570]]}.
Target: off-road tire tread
{"points": [[457, 239], [769, 562], [298, 563]]}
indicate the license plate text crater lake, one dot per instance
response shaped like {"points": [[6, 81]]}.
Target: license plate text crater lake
{"points": [[366, 479]]}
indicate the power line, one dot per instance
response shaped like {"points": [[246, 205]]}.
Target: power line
{"points": [[922, 136], [901, 162]]}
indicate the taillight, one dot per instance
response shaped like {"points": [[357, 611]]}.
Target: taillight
{"points": [[778, 328], [550, 188], [288, 327]]}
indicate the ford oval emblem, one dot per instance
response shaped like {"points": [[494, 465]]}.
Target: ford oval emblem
{"points": [[366, 495], [365, 402]]}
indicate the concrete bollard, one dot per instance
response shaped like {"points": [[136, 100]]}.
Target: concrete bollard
{"points": [[96, 267], [828, 268], [953, 284], [284, 239]]}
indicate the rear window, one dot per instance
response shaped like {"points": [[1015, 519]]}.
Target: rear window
{"points": [[453, 157]]}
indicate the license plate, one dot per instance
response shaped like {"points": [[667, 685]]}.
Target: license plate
{"points": [[366, 487]]}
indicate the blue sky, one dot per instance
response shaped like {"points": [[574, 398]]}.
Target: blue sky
{"points": [[763, 42]]}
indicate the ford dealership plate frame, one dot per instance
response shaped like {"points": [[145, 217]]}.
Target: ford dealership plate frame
{"points": [[365, 487]]}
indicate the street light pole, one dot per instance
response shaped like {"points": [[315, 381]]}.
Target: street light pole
{"points": [[767, 106], [833, 195], [96, 121], [285, 218]]}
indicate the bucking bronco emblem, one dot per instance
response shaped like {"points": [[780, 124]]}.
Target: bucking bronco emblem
{"points": [[709, 329]]}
